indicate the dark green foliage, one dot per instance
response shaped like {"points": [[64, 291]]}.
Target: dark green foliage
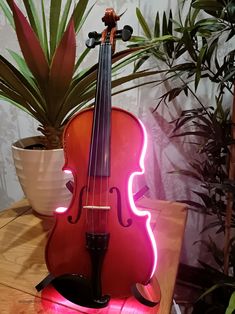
{"points": [[198, 53]]}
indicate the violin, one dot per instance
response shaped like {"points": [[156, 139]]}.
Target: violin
{"points": [[102, 245]]}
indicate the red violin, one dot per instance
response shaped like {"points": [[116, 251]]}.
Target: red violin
{"points": [[102, 244]]}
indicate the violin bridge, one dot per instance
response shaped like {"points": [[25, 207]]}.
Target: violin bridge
{"points": [[97, 207]]}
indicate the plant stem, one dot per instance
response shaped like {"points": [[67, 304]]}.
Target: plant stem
{"points": [[229, 208]]}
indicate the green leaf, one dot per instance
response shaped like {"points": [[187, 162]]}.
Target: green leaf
{"points": [[64, 19], [143, 23], [33, 19], [55, 9], [6, 98], [84, 18], [170, 23], [62, 67], [7, 13], [216, 286], [81, 58], [164, 24], [210, 5], [78, 13], [15, 81], [157, 26], [229, 75], [196, 206], [11, 96], [140, 62], [194, 16], [187, 173], [22, 66], [210, 51], [184, 120], [138, 39], [205, 198], [231, 306], [44, 27], [195, 133], [188, 42], [200, 61], [30, 47]]}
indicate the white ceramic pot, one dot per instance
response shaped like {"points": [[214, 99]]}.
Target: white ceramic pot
{"points": [[41, 176]]}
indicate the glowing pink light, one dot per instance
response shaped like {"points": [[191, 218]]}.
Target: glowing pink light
{"points": [[67, 171], [61, 210], [132, 203], [115, 305]]}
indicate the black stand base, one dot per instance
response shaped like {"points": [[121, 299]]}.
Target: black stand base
{"points": [[144, 299], [77, 289]]}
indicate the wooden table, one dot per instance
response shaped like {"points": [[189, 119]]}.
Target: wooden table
{"points": [[23, 236]]}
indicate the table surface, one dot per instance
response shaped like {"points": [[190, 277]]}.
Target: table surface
{"points": [[23, 236]]}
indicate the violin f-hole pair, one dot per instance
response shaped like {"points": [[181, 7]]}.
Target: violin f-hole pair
{"points": [[102, 244]]}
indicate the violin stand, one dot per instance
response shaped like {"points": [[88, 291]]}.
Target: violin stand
{"points": [[77, 289]]}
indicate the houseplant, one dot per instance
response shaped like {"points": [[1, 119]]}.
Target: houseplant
{"points": [[201, 51], [47, 82], [31, 86]]}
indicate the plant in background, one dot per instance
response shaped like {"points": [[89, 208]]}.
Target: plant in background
{"points": [[40, 83], [212, 128], [48, 82], [200, 51]]}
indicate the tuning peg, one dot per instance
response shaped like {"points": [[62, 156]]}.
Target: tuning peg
{"points": [[94, 35], [127, 32], [91, 43], [128, 27]]}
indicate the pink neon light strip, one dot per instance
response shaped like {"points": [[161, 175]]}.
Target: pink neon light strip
{"points": [[131, 200], [132, 203], [67, 171], [61, 210]]}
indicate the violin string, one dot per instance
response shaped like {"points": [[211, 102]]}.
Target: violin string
{"points": [[102, 126], [106, 131], [93, 141], [99, 100], [109, 123], [102, 132]]}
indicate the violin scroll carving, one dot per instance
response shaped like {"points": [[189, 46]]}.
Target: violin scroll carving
{"points": [[110, 33]]}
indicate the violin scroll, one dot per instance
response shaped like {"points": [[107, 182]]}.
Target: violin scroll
{"points": [[110, 33], [110, 18]]}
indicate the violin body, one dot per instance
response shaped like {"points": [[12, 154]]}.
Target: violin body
{"points": [[131, 254]]}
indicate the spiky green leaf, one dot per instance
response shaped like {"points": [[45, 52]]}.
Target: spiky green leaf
{"points": [[7, 12], [55, 9], [143, 23], [30, 47], [33, 18], [78, 13], [62, 66]]}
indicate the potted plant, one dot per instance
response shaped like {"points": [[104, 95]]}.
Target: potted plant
{"points": [[48, 83], [196, 54]]}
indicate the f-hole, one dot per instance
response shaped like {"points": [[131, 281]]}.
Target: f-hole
{"points": [[70, 218], [119, 208]]}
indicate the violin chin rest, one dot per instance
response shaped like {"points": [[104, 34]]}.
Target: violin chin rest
{"points": [[78, 289]]}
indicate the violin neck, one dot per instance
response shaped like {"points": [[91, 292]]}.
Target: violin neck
{"points": [[99, 160]]}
